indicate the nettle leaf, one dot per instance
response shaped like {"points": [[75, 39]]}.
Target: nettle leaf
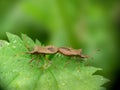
{"points": [[44, 73]]}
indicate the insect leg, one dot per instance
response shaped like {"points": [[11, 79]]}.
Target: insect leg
{"points": [[65, 65], [31, 60]]}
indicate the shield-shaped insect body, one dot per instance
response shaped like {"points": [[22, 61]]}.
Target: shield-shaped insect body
{"points": [[44, 50], [71, 52]]}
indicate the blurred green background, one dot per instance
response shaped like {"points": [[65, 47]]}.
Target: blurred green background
{"points": [[86, 24]]}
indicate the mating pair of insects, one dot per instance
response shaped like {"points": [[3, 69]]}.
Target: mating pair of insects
{"points": [[48, 50]]}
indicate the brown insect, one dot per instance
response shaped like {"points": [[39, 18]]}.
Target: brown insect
{"points": [[72, 52], [44, 50], [53, 50]]}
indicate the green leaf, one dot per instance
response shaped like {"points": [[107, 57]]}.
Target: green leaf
{"points": [[58, 73], [28, 42], [37, 42], [3, 43]]}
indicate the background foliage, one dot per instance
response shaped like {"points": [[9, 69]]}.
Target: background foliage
{"points": [[86, 24]]}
